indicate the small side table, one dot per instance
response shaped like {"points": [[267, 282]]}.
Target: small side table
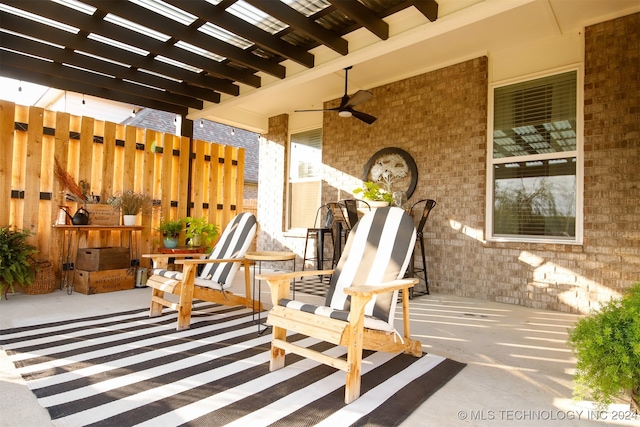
{"points": [[258, 258]]}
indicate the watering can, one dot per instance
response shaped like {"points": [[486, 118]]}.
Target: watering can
{"points": [[80, 218]]}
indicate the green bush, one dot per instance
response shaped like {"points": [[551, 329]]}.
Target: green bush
{"points": [[607, 347], [16, 258]]}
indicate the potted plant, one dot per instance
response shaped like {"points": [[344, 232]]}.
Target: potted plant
{"points": [[16, 258], [199, 231], [132, 203], [607, 347], [373, 193], [170, 230]]}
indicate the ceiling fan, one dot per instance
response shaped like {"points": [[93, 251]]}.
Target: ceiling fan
{"points": [[348, 102]]}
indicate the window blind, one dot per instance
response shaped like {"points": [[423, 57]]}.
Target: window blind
{"points": [[535, 117]]}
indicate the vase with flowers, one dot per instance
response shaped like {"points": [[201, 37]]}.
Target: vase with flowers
{"points": [[132, 203]]}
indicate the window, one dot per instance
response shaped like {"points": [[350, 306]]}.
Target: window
{"points": [[534, 181], [305, 180]]}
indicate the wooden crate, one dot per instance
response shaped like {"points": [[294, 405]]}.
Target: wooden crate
{"points": [[102, 214], [99, 282], [98, 259]]}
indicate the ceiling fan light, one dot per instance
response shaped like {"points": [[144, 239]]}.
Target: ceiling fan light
{"points": [[344, 113]]}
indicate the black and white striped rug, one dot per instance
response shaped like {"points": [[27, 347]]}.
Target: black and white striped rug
{"points": [[128, 369]]}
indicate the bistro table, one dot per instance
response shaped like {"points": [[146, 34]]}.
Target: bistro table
{"points": [[259, 258]]}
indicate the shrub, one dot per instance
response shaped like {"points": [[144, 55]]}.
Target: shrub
{"points": [[16, 258], [607, 346]]}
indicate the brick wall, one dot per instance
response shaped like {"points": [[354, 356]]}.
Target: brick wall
{"points": [[271, 189], [612, 152], [440, 118]]}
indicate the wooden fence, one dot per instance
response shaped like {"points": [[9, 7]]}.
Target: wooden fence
{"points": [[185, 177]]}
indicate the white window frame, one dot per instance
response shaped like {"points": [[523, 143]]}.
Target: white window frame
{"points": [[578, 154], [291, 181]]}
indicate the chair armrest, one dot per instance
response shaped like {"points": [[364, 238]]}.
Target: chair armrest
{"points": [[361, 295], [167, 256], [207, 261], [292, 274], [279, 282], [161, 260], [380, 289]]}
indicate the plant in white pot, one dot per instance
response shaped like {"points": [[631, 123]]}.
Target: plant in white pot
{"points": [[372, 193], [132, 203]]}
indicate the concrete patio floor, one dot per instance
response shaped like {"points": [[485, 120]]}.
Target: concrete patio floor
{"points": [[519, 368]]}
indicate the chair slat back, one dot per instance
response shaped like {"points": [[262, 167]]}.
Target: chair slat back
{"points": [[338, 213], [351, 207], [324, 217], [233, 244], [427, 206], [378, 250]]}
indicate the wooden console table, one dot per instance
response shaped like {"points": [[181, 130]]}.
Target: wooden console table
{"points": [[70, 251]]}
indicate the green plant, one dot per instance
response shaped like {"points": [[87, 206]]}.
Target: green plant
{"points": [[16, 258], [607, 347], [372, 191], [132, 203], [200, 228], [170, 227]]}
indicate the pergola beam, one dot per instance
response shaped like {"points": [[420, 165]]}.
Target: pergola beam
{"points": [[306, 26], [363, 16]]}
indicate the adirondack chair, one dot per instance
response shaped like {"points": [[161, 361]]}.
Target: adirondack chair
{"points": [[361, 300], [214, 280]]}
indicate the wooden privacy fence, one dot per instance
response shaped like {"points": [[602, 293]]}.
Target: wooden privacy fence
{"points": [[184, 177]]}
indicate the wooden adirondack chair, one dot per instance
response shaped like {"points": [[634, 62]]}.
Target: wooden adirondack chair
{"points": [[216, 277], [361, 301]]}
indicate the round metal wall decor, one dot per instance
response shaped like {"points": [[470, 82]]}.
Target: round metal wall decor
{"points": [[383, 163]]}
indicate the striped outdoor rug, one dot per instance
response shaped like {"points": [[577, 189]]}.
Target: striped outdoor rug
{"points": [[128, 369]]}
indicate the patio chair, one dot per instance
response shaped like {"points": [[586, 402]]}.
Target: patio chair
{"points": [[322, 227], [422, 208], [214, 280], [352, 206], [360, 305]]}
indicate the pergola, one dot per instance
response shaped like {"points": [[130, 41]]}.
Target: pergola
{"points": [[239, 62], [176, 55]]}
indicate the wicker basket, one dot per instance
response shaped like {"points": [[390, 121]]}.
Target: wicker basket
{"points": [[44, 282]]}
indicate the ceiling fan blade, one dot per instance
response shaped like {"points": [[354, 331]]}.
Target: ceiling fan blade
{"points": [[321, 109], [368, 119], [358, 98]]}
